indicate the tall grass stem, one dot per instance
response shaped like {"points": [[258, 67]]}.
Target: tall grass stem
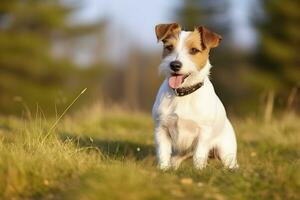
{"points": [[62, 114]]}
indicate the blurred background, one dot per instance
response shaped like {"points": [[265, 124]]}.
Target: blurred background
{"points": [[51, 49]]}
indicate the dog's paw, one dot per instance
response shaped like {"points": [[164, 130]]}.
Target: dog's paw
{"points": [[200, 163], [233, 167], [175, 162], [164, 166], [200, 166], [230, 164]]}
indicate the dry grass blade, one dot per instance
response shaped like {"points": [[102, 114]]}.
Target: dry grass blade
{"points": [[63, 113]]}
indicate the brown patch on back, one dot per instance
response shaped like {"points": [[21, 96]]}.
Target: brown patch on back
{"points": [[194, 40]]}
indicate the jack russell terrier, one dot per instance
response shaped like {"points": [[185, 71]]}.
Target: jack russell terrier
{"points": [[190, 119]]}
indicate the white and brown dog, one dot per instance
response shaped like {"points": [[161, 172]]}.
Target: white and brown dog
{"points": [[190, 118]]}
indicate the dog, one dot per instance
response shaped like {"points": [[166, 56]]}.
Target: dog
{"points": [[190, 120]]}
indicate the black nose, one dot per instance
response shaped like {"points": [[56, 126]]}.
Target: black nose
{"points": [[175, 65]]}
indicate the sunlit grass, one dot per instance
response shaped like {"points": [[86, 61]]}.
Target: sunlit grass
{"points": [[108, 153]]}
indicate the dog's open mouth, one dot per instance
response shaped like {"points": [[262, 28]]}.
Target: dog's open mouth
{"points": [[176, 80]]}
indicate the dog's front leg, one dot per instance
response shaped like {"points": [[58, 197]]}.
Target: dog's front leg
{"points": [[163, 148], [202, 149], [200, 156]]}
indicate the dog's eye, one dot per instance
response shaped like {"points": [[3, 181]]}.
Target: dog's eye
{"points": [[169, 47], [194, 51]]}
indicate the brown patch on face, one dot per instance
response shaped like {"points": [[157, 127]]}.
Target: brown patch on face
{"points": [[168, 34], [197, 53], [165, 30], [209, 38], [170, 44], [199, 43]]}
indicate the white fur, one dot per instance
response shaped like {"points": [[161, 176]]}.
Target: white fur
{"points": [[194, 124]]}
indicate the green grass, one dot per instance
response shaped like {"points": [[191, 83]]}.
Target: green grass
{"points": [[102, 153]]}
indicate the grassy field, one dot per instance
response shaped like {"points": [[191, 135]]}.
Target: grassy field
{"points": [[108, 153]]}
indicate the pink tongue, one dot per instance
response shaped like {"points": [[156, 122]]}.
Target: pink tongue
{"points": [[175, 81]]}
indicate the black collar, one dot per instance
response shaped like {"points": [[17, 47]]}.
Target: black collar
{"points": [[180, 92]]}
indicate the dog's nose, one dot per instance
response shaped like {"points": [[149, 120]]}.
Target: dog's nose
{"points": [[175, 65]]}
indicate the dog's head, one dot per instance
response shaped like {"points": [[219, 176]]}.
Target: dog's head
{"points": [[185, 53]]}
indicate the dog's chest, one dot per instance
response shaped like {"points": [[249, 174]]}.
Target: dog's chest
{"points": [[183, 132], [190, 109], [181, 118], [186, 117]]}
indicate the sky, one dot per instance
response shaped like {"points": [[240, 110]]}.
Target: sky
{"points": [[138, 18], [132, 22], [131, 17]]}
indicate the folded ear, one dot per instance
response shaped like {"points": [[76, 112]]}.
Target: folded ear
{"points": [[164, 30], [209, 39]]}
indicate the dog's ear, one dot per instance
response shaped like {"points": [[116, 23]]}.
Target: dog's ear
{"points": [[209, 39], [164, 30]]}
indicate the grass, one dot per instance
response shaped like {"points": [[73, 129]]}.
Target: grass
{"points": [[102, 153]]}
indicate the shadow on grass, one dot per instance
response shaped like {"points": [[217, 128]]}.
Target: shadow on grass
{"points": [[114, 149]]}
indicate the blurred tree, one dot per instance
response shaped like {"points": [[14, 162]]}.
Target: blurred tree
{"points": [[278, 52], [279, 44], [228, 59], [131, 86], [277, 64], [212, 14], [28, 72]]}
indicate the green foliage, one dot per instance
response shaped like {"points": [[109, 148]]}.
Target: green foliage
{"points": [[279, 42], [108, 153], [29, 73], [229, 62], [212, 14], [240, 78]]}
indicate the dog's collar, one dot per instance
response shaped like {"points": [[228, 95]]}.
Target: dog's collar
{"points": [[183, 91]]}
